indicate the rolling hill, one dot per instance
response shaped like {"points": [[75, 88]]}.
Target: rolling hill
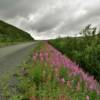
{"points": [[9, 33]]}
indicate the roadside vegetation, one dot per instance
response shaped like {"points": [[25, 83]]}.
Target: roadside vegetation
{"points": [[84, 50], [11, 35], [49, 75]]}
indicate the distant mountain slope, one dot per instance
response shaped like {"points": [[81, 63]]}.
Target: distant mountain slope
{"points": [[9, 33]]}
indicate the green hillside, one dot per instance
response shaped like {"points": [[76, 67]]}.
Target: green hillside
{"points": [[9, 33], [84, 50]]}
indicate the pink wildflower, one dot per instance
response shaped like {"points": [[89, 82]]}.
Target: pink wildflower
{"points": [[56, 59], [78, 86], [41, 56], [69, 84], [32, 98], [56, 72], [46, 55], [62, 80], [35, 57], [87, 97]]}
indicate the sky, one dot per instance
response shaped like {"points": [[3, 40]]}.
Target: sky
{"points": [[49, 19]]}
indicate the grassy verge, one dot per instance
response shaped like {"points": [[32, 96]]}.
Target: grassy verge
{"points": [[4, 44], [42, 77], [84, 51]]}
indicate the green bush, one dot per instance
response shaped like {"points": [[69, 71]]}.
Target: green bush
{"points": [[85, 50]]}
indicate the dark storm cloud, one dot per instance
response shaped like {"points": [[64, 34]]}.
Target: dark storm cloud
{"points": [[50, 18]]}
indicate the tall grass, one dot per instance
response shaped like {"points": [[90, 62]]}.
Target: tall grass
{"points": [[49, 75]]}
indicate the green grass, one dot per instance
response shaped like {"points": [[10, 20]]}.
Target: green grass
{"points": [[85, 51], [4, 44], [40, 81]]}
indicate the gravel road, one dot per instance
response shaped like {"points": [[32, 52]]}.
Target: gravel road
{"points": [[12, 56]]}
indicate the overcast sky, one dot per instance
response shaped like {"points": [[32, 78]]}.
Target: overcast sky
{"points": [[46, 19]]}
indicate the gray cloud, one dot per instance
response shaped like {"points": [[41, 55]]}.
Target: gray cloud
{"points": [[48, 22], [50, 18], [12, 8]]}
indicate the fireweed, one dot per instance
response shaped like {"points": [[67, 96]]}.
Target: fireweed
{"points": [[55, 58]]}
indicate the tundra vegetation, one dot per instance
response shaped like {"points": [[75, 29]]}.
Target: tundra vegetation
{"points": [[50, 75], [84, 50], [63, 69]]}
